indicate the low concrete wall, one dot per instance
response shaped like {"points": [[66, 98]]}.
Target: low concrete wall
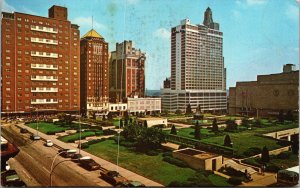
{"points": [[283, 133]]}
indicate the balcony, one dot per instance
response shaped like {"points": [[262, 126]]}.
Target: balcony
{"points": [[44, 90], [44, 29], [44, 78], [44, 66], [44, 41], [44, 54], [44, 101]]}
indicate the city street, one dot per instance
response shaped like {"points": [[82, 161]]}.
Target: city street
{"points": [[37, 159]]}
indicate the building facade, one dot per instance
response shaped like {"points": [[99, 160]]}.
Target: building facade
{"points": [[127, 66], [266, 96], [40, 62], [94, 76], [198, 75], [145, 105]]}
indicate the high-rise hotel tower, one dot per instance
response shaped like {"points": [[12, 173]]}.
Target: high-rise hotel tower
{"points": [[40, 61], [198, 75]]}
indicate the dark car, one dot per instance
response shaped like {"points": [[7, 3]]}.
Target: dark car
{"points": [[131, 184], [76, 157], [11, 178], [35, 137], [113, 177], [89, 164], [67, 153], [23, 130]]}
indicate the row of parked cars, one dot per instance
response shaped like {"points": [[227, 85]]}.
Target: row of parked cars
{"points": [[112, 177]]}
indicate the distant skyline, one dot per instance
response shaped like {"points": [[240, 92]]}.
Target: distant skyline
{"points": [[259, 35]]}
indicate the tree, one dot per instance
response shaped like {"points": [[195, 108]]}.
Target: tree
{"points": [[281, 116], [227, 141], [198, 108], [265, 157], [126, 122], [103, 118], [126, 116], [149, 138], [145, 124], [245, 122], [188, 109], [289, 116], [109, 116], [230, 125], [178, 112], [165, 112], [121, 123], [197, 130], [215, 127], [130, 120], [173, 130], [295, 143]]}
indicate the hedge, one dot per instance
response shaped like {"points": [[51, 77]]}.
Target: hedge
{"points": [[234, 181], [176, 162]]}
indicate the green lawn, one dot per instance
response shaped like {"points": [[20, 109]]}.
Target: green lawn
{"points": [[186, 132], [72, 137], [219, 181], [149, 166], [45, 127]]}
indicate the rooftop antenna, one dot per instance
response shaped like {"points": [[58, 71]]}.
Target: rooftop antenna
{"points": [[92, 22]]}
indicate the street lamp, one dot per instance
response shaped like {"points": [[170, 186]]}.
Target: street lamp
{"points": [[37, 123], [51, 169]]}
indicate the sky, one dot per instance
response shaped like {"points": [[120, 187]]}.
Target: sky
{"points": [[259, 36]]}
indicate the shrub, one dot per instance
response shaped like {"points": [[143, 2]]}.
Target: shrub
{"points": [[273, 168], [127, 144], [98, 133], [152, 153], [109, 132], [53, 132], [168, 153], [232, 172], [234, 181], [174, 161], [84, 145], [284, 143], [284, 155], [252, 151]]}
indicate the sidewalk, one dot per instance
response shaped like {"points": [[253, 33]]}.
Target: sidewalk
{"points": [[105, 164], [262, 180]]}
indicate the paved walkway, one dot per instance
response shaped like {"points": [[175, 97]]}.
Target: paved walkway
{"points": [[261, 180], [105, 164]]}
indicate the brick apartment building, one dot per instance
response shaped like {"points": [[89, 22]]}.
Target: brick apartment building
{"points": [[127, 66], [94, 76], [40, 62]]}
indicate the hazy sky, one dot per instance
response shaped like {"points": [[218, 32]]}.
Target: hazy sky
{"points": [[259, 35]]}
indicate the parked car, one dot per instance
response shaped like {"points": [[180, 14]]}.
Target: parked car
{"points": [[23, 130], [131, 184], [89, 164], [113, 177], [11, 178], [49, 143], [76, 157], [67, 153], [35, 137]]}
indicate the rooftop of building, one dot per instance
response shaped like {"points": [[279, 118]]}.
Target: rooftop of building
{"points": [[196, 153], [152, 118], [92, 33]]}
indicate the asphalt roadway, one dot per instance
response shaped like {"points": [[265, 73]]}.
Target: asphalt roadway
{"points": [[34, 160]]}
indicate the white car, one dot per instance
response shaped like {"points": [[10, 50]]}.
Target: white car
{"points": [[49, 143]]}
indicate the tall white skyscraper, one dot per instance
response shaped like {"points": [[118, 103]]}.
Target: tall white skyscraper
{"points": [[198, 76]]}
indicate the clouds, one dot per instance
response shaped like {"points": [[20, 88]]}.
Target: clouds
{"points": [[162, 33], [88, 22], [292, 12], [6, 7]]}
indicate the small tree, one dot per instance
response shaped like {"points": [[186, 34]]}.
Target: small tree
{"points": [[295, 143], [188, 109], [227, 141], [173, 130], [145, 124], [130, 120], [281, 116], [126, 122], [103, 118], [197, 130], [178, 112], [121, 123], [215, 127], [289, 116], [109, 116], [265, 157], [199, 108]]}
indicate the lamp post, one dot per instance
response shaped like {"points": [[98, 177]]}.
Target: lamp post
{"points": [[51, 169], [37, 123]]}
